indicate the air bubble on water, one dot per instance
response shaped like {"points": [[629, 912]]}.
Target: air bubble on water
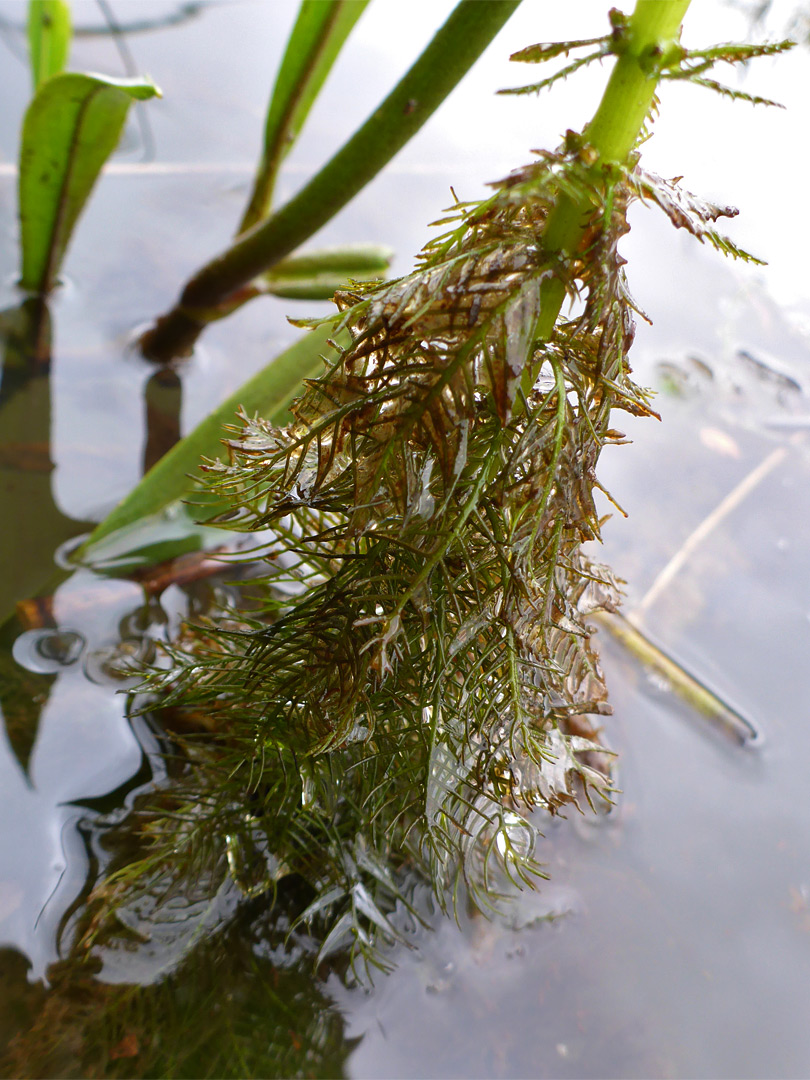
{"points": [[515, 838], [120, 663], [143, 621], [48, 651], [63, 556], [659, 682]]}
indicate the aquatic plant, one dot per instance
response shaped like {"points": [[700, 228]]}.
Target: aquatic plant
{"points": [[410, 685], [72, 126]]}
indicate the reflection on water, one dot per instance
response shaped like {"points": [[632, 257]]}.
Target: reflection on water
{"points": [[46, 652], [674, 936]]}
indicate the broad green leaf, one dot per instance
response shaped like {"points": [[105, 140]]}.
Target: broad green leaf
{"points": [[268, 393], [70, 129], [49, 34], [314, 275], [315, 42]]}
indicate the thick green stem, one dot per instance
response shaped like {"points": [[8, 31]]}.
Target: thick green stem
{"points": [[451, 53], [613, 132]]}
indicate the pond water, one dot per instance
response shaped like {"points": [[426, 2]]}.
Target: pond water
{"points": [[682, 942]]}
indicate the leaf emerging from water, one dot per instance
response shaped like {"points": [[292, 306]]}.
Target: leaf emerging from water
{"points": [[71, 128]]}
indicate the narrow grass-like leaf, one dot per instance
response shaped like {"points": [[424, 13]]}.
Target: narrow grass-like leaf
{"points": [[70, 129], [316, 275], [346, 259], [268, 393], [315, 42], [49, 34]]}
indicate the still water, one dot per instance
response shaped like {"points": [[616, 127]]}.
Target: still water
{"points": [[674, 937]]}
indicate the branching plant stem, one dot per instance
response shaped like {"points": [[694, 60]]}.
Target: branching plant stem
{"points": [[612, 134]]}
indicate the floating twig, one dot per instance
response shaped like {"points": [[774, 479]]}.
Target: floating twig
{"points": [[694, 691]]}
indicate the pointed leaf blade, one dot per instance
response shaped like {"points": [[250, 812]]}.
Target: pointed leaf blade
{"points": [[70, 129], [314, 44]]}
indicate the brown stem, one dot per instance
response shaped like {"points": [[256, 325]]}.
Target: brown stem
{"points": [[172, 336]]}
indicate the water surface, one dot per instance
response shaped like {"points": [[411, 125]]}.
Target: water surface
{"points": [[674, 936]]}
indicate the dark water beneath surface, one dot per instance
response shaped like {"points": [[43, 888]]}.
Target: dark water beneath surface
{"points": [[683, 946]]}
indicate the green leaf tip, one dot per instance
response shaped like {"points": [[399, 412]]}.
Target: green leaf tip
{"points": [[70, 129], [140, 88], [317, 274]]}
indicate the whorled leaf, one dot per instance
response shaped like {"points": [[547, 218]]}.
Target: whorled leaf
{"points": [[688, 211], [673, 63], [417, 677], [419, 673], [691, 64], [732, 93], [607, 45], [563, 73]]}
